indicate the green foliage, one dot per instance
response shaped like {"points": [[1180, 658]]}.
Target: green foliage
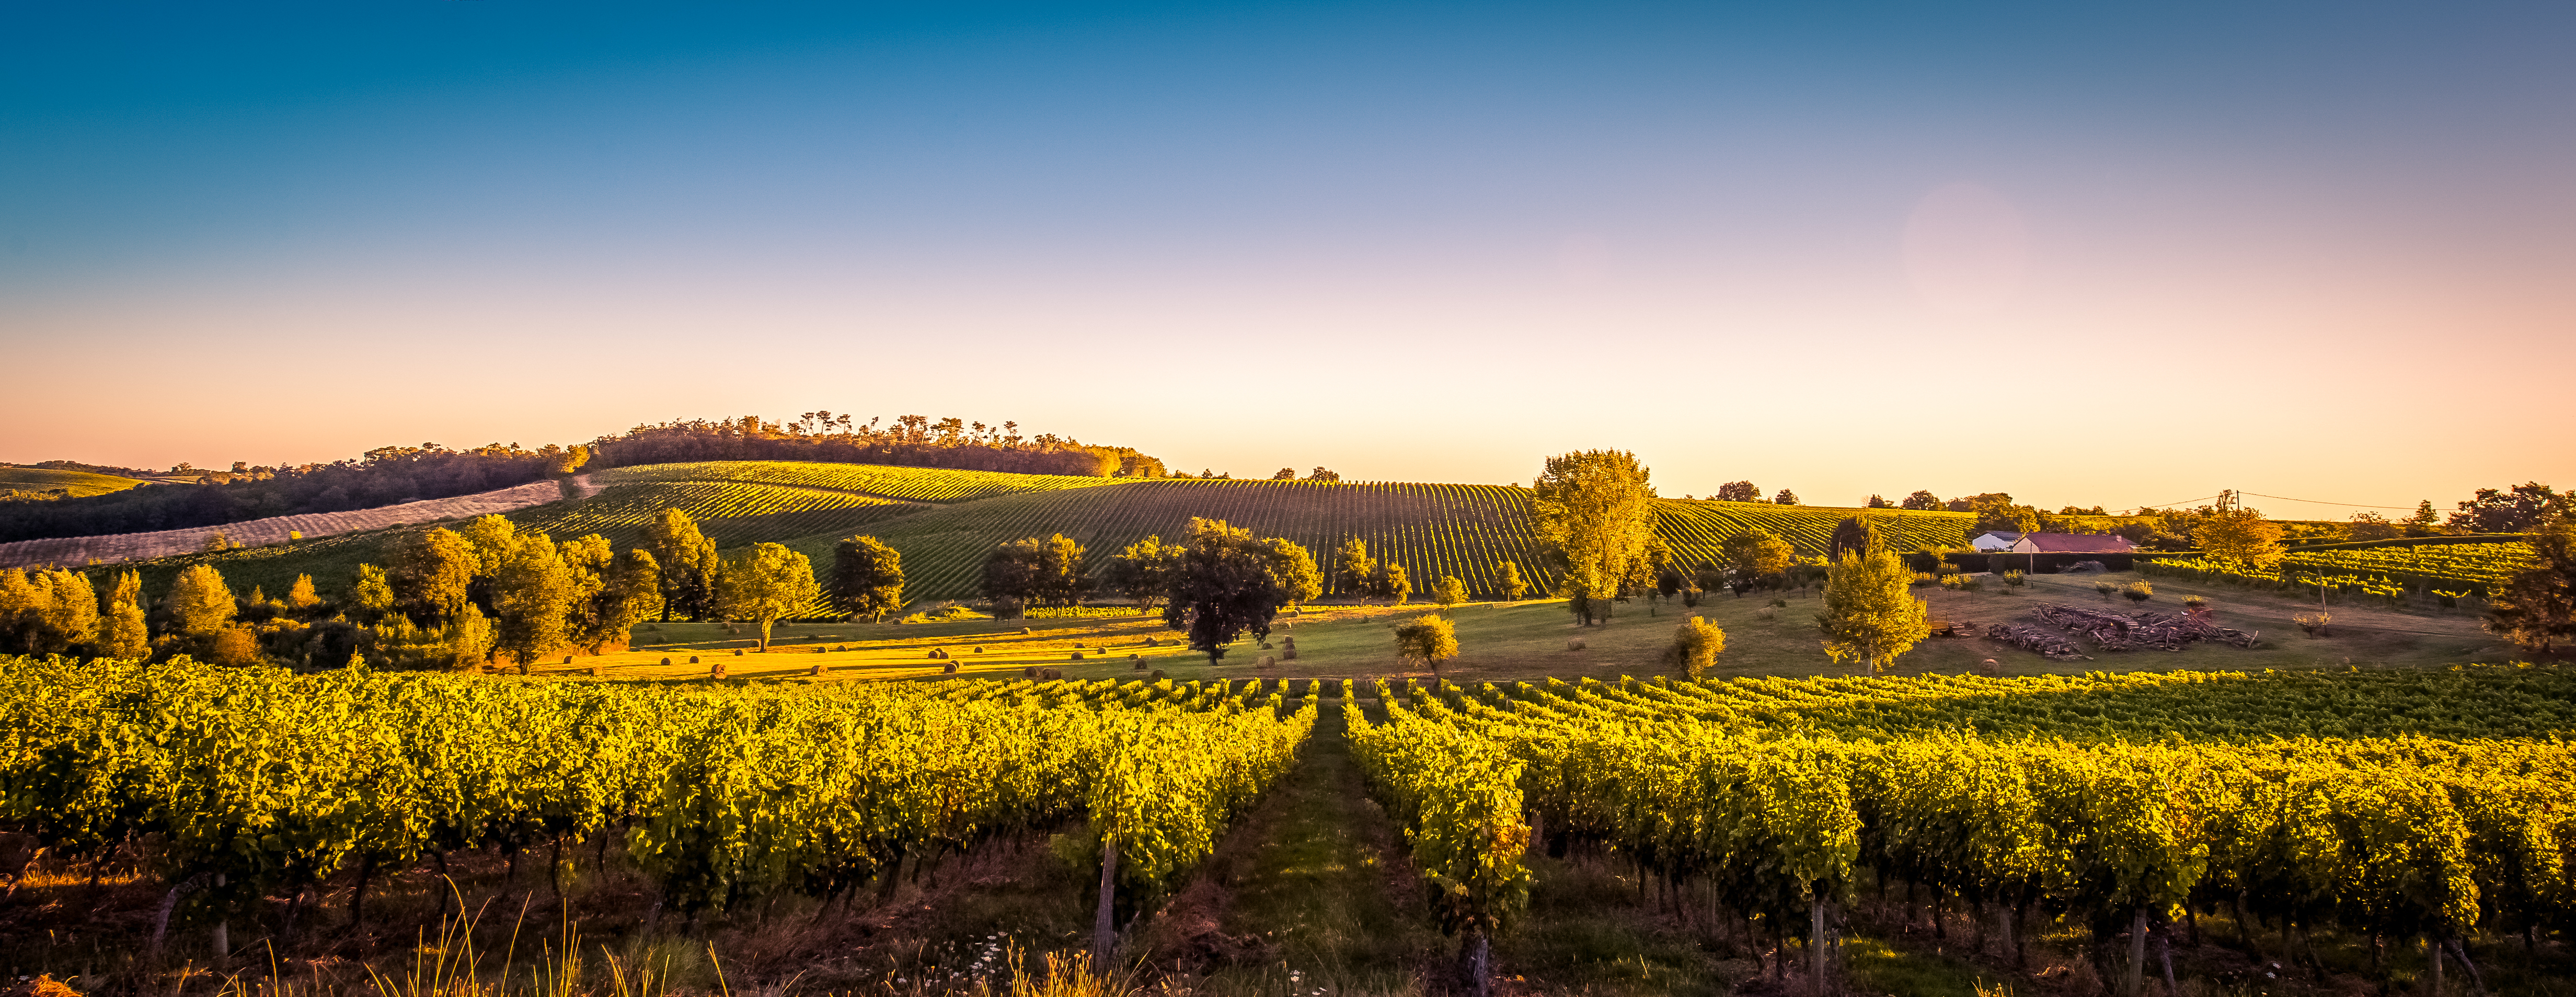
{"points": [[1696, 645], [199, 603], [1871, 615], [1449, 592], [1294, 570], [1354, 571], [1595, 511], [2537, 608], [2240, 536], [1430, 639], [766, 584], [370, 596], [1142, 572], [910, 484], [867, 578], [1755, 556], [1224, 583], [690, 571], [1030, 571], [433, 573], [1513, 586]]}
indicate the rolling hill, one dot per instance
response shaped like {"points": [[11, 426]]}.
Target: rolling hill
{"points": [[944, 521], [75, 484]]}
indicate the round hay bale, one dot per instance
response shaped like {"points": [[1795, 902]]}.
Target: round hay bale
{"points": [[818, 670], [666, 662], [716, 672], [737, 652], [1574, 643], [1268, 661], [567, 659], [1077, 655], [693, 659], [1139, 662], [1158, 675], [1290, 654], [950, 670]]}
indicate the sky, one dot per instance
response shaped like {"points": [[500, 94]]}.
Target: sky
{"points": [[2082, 253]]}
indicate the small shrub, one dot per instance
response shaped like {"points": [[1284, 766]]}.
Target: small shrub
{"points": [[1779, 603], [2105, 588], [2194, 602], [1574, 643], [2314, 623], [2014, 580], [2139, 591]]}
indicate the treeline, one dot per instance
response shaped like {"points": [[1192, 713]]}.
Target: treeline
{"points": [[912, 441], [383, 476], [451, 599]]}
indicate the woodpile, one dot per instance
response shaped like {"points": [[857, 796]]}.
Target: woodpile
{"points": [[2143, 631], [2054, 647]]}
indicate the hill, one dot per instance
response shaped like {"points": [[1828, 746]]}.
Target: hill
{"points": [[71, 484], [945, 520]]}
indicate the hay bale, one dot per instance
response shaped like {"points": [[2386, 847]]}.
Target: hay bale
{"points": [[693, 659], [1290, 654], [567, 659], [716, 672], [1574, 643], [737, 652], [666, 662], [819, 669], [1139, 662], [1268, 662], [950, 670]]}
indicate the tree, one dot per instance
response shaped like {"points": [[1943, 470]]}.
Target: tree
{"points": [[1756, 557], [2519, 510], [1224, 582], [1142, 572], [766, 584], [1996, 511], [1871, 615], [47, 611], [1853, 533], [2371, 526], [1786, 497], [1324, 475], [121, 630], [632, 593], [300, 596], [1922, 501], [1738, 491], [1285, 474], [2241, 536], [533, 593], [434, 574], [867, 578], [1299, 581], [1513, 585], [1696, 645], [1877, 501], [1031, 571], [1595, 511], [199, 603], [370, 596], [1449, 592], [1354, 571], [2424, 520], [688, 562], [1429, 639], [1391, 584], [2537, 607]]}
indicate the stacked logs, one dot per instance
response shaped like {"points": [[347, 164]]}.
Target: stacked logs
{"points": [[2144, 631]]}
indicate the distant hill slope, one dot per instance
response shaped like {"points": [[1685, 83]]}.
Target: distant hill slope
{"points": [[910, 484], [1430, 529], [79, 484], [119, 547]]}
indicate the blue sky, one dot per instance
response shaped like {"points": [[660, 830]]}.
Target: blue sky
{"points": [[2327, 248]]}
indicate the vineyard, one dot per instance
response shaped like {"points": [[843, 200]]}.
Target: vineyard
{"points": [[1432, 530], [2396, 573], [731, 513], [76, 484], [2115, 799], [265, 781], [1694, 529], [120, 547], [910, 484]]}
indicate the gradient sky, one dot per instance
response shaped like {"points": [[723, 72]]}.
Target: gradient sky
{"points": [[2080, 254]]}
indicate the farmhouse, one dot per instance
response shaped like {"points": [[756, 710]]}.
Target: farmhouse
{"points": [[1995, 540], [2070, 543]]}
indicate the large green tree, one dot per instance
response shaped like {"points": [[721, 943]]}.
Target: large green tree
{"points": [[689, 566], [766, 584], [1871, 615], [1142, 573], [1595, 511], [1354, 571], [2537, 607], [199, 604], [1514, 586], [1224, 583], [434, 574], [1755, 557], [1030, 571], [1430, 639], [121, 630], [533, 593], [867, 578], [1299, 580], [2241, 536]]}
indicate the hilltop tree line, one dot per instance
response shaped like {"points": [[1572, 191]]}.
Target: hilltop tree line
{"points": [[911, 441], [380, 477]]}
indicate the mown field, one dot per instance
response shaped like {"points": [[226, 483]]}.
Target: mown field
{"points": [[80, 484]]}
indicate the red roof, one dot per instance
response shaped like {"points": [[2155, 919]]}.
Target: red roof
{"points": [[2080, 543]]}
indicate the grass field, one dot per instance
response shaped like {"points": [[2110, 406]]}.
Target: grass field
{"points": [[80, 484]]}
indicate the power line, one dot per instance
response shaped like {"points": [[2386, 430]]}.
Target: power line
{"points": [[2166, 505], [2348, 505]]}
